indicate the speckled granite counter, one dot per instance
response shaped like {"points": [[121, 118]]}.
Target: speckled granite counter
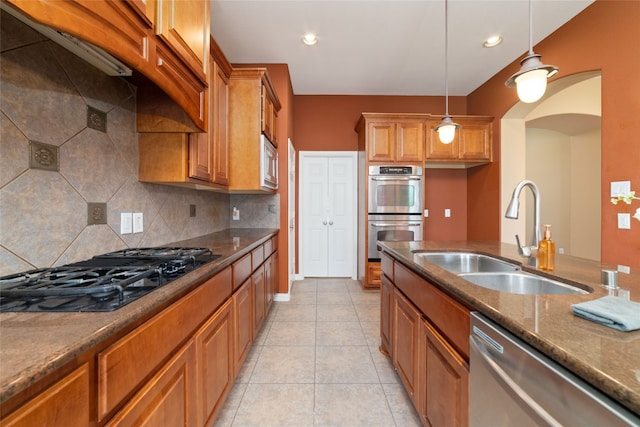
{"points": [[32, 345], [604, 357]]}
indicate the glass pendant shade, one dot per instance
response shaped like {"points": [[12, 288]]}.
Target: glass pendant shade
{"points": [[531, 85], [446, 130]]}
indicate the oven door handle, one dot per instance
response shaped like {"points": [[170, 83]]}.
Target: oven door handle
{"points": [[396, 178], [526, 402], [384, 224]]}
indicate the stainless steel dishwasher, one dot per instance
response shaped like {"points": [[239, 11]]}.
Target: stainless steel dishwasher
{"points": [[512, 384]]}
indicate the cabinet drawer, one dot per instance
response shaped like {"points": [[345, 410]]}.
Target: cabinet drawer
{"points": [[66, 403], [257, 256], [125, 365], [268, 248], [241, 271], [386, 262], [447, 315]]}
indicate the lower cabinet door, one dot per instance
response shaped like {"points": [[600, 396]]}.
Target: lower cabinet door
{"points": [[214, 355], [406, 336], [386, 308], [168, 399], [259, 298], [444, 394], [243, 313]]}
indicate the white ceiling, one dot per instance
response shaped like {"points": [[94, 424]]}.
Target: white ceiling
{"points": [[383, 47]]}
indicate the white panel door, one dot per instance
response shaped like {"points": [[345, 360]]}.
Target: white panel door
{"points": [[328, 208]]}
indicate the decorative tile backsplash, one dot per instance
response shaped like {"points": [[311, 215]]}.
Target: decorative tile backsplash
{"points": [[47, 95]]}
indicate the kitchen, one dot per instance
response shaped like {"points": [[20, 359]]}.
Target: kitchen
{"points": [[479, 210]]}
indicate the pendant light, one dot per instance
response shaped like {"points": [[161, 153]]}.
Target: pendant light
{"points": [[531, 80], [447, 128]]}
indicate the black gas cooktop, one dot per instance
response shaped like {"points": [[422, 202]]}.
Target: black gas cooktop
{"points": [[103, 283]]}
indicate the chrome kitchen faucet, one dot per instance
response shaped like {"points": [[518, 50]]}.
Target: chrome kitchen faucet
{"points": [[512, 212]]}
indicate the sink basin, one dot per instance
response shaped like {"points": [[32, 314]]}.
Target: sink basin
{"points": [[521, 283], [465, 262]]}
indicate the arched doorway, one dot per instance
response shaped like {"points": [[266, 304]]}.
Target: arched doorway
{"points": [[557, 144]]}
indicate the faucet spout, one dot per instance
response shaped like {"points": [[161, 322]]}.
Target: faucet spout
{"points": [[512, 212]]}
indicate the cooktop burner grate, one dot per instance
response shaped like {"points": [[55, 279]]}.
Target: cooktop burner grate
{"points": [[102, 283]]}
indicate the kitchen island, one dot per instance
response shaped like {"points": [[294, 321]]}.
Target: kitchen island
{"points": [[604, 357], [37, 349]]}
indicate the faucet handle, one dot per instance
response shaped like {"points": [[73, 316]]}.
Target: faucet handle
{"points": [[523, 250]]}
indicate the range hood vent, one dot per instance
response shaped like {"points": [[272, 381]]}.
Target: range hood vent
{"points": [[90, 53]]}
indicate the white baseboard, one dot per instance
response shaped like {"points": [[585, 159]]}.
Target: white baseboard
{"points": [[282, 297]]}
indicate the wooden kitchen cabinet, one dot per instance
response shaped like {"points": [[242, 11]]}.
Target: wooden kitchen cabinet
{"points": [[393, 137], [253, 107], [193, 159], [214, 356], [406, 338], [444, 382], [168, 398], [66, 403], [166, 44], [429, 335], [184, 26], [243, 313], [386, 316], [471, 145], [259, 291]]}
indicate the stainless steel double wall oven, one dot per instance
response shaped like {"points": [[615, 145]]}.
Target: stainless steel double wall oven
{"points": [[395, 204]]}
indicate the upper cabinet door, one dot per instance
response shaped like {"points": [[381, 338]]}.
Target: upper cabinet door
{"points": [[381, 141], [184, 26], [410, 141]]}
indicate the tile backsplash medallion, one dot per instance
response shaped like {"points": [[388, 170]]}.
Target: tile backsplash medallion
{"points": [[45, 92]]}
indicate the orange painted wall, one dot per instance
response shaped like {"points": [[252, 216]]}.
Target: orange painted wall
{"points": [[606, 37], [326, 123]]}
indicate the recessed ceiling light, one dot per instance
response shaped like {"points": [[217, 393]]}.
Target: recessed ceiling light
{"points": [[310, 39], [492, 41]]}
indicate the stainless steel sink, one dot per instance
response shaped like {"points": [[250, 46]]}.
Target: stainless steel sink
{"points": [[466, 262], [521, 283]]}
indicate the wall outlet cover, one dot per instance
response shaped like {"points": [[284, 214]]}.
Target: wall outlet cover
{"points": [[138, 222], [126, 223], [620, 188], [624, 221]]}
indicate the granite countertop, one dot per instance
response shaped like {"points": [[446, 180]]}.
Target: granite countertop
{"points": [[606, 358], [32, 345]]}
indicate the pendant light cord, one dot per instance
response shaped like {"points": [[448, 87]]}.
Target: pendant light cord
{"points": [[530, 27], [446, 56]]}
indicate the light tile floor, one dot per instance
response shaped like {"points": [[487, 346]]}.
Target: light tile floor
{"points": [[316, 362]]}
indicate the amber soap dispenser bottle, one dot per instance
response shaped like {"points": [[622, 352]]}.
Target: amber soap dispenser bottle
{"points": [[546, 251]]}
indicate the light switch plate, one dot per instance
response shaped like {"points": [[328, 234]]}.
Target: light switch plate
{"points": [[138, 226], [126, 223], [620, 187]]}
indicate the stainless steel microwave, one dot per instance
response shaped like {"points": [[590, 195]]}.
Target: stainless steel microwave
{"points": [[268, 164], [395, 189]]}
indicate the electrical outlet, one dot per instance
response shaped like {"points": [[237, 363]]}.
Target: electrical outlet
{"points": [[192, 211], [426, 213], [235, 214], [624, 221], [447, 213], [272, 208], [126, 223], [138, 223]]}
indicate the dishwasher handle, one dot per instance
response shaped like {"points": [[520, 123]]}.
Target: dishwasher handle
{"points": [[525, 401]]}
